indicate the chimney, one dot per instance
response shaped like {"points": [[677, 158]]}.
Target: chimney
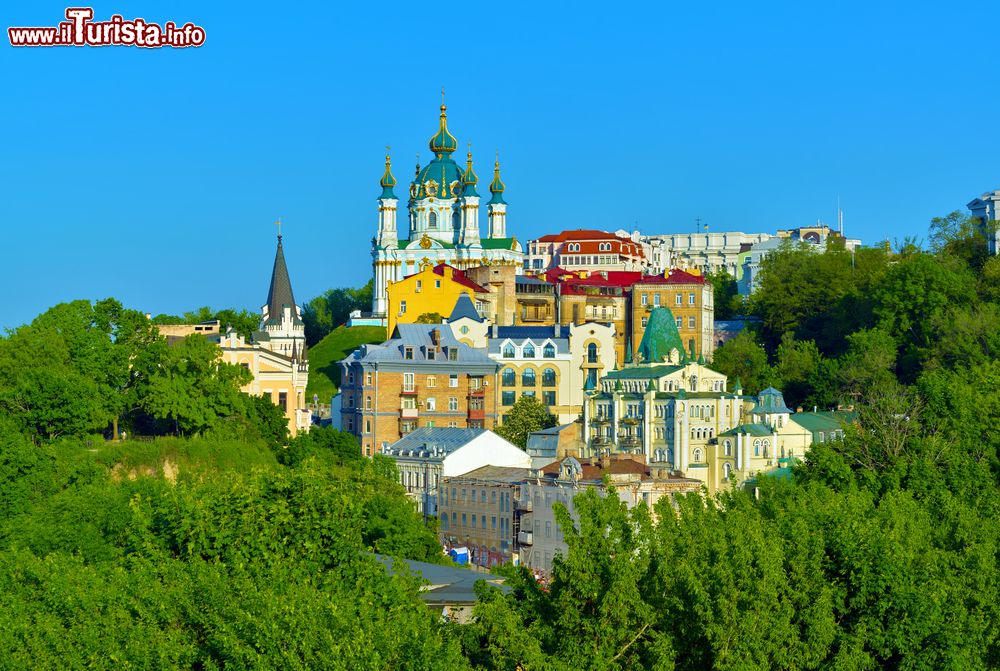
{"points": [[436, 336]]}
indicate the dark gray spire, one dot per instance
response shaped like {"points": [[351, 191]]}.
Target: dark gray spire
{"points": [[279, 294]]}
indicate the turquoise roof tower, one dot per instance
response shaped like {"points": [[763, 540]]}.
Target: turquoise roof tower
{"points": [[387, 181], [497, 186], [469, 179], [661, 337], [443, 142]]}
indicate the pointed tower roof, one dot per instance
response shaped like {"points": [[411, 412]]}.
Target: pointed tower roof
{"points": [[469, 178], [279, 294], [496, 186], [661, 336], [464, 309], [443, 142], [387, 181]]}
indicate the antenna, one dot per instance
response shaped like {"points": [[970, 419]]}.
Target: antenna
{"points": [[840, 217]]}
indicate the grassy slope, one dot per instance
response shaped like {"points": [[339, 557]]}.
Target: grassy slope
{"points": [[324, 374]]}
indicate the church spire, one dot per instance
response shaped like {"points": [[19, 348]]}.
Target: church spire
{"points": [[387, 181], [443, 142], [469, 178], [279, 295], [497, 186]]}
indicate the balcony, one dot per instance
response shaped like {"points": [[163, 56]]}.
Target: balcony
{"points": [[409, 413], [477, 413], [524, 505], [408, 391], [524, 538], [477, 393]]}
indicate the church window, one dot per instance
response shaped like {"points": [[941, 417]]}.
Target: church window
{"points": [[432, 220], [592, 353], [697, 455]]}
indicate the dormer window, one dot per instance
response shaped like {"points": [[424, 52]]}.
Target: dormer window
{"points": [[408, 353], [431, 353], [452, 354]]}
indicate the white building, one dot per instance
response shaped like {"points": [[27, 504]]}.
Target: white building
{"points": [[428, 454], [443, 220], [706, 252], [985, 209]]}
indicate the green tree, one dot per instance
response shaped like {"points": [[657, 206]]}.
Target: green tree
{"points": [[741, 357], [324, 313], [726, 298], [525, 416], [430, 318]]}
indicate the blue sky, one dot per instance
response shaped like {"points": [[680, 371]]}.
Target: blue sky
{"points": [[155, 175]]}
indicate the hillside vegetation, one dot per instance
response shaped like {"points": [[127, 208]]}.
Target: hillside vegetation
{"points": [[324, 374]]}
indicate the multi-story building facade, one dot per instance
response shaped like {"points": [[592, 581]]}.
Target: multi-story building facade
{"points": [[432, 291], [443, 221], [479, 510], [584, 250], [985, 209], [550, 363], [690, 299], [429, 455], [540, 538], [705, 252], [421, 377]]}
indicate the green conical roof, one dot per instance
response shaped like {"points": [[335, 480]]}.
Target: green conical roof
{"points": [[661, 336], [387, 181]]}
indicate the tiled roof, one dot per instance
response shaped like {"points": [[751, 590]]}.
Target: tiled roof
{"points": [[418, 336], [578, 234], [431, 442], [661, 337], [279, 294], [675, 276]]}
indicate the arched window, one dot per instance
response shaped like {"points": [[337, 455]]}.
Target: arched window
{"points": [[549, 377], [756, 448], [508, 377], [592, 353], [697, 455], [508, 351], [528, 378], [727, 447], [549, 351], [766, 444], [727, 471], [529, 351], [432, 220]]}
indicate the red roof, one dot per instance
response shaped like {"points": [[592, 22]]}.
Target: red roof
{"points": [[578, 234], [675, 276], [594, 469], [456, 276]]}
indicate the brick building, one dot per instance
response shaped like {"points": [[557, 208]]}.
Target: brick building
{"points": [[690, 299], [421, 377]]}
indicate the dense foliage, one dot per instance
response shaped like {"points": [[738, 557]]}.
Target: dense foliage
{"points": [[528, 414], [326, 312]]}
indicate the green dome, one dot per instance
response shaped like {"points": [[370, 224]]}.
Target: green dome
{"points": [[387, 181], [496, 186], [661, 337], [429, 180], [444, 142]]}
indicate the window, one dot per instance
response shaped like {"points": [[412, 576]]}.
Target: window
{"points": [[483, 519], [368, 403], [453, 351], [402, 307], [432, 221], [408, 353], [431, 404], [592, 353], [528, 378], [698, 455], [407, 381], [529, 351], [368, 379], [420, 285], [507, 397], [691, 322], [727, 447], [727, 471], [679, 299], [452, 425], [431, 354], [453, 403], [680, 322], [529, 394], [473, 521], [549, 351], [482, 499], [431, 381], [644, 299], [453, 381], [368, 426], [756, 448], [548, 529], [283, 400], [437, 284], [508, 377], [644, 321], [508, 351], [656, 300], [549, 397], [493, 523], [690, 299], [549, 377]]}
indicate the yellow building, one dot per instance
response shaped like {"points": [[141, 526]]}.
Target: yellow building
{"points": [[433, 290]]}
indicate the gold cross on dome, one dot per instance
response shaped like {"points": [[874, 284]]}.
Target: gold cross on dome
{"points": [[278, 224]]}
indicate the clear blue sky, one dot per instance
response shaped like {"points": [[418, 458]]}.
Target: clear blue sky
{"points": [[155, 175]]}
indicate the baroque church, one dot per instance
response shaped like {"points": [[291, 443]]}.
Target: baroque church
{"points": [[443, 220]]}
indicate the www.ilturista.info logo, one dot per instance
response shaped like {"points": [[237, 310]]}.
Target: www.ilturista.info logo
{"points": [[81, 31]]}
